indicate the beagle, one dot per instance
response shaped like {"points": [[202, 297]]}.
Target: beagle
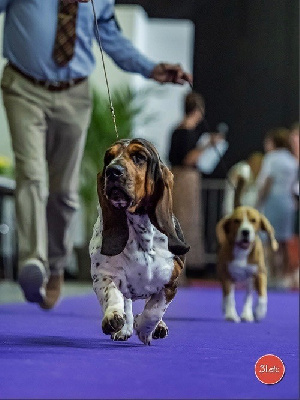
{"points": [[137, 248], [241, 258]]}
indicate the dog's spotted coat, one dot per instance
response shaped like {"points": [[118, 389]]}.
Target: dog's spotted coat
{"points": [[140, 271], [144, 269]]}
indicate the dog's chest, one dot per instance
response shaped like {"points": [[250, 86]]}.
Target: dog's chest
{"points": [[239, 268], [145, 265]]}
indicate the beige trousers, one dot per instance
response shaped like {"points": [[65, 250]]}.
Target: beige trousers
{"points": [[48, 131]]}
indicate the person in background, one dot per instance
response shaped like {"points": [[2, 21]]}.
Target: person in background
{"points": [[275, 182], [184, 154], [294, 139], [241, 188], [186, 135], [209, 149], [293, 244], [45, 87]]}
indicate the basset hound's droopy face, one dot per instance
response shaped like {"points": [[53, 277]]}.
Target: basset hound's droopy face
{"points": [[128, 181], [241, 227], [135, 180]]}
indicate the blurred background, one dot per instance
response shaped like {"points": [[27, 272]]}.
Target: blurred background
{"points": [[244, 56]]}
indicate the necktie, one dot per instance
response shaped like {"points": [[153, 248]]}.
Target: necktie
{"points": [[65, 33]]}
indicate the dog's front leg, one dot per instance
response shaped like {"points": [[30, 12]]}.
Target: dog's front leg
{"points": [[112, 302], [127, 329], [247, 313], [146, 323], [262, 301], [229, 302]]}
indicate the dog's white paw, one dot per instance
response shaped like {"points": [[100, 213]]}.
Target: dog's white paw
{"points": [[247, 316], [112, 322], [261, 310], [231, 315], [145, 337], [143, 331], [161, 331], [124, 334]]}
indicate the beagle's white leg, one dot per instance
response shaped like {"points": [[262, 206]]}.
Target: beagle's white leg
{"points": [[262, 303], [261, 308], [127, 330], [112, 302], [229, 306], [247, 313], [145, 324]]}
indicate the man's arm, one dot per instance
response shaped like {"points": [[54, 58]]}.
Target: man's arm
{"points": [[128, 58], [162, 72]]}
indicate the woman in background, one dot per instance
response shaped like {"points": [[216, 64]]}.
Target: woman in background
{"points": [[188, 155], [275, 182], [293, 244], [187, 192]]}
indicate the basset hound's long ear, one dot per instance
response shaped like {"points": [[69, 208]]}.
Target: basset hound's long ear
{"points": [[222, 229], [115, 229], [267, 227], [162, 214]]}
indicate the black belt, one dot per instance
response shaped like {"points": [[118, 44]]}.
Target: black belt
{"points": [[52, 86]]}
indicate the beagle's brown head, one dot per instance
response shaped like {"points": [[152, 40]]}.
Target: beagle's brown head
{"points": [[240, 228], [135, 180]]}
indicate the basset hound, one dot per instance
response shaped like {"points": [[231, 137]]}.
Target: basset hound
{"points": [[241, 258], [137, 248]]}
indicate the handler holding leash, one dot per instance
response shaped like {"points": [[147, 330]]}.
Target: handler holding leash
{"points": [[48, 45]]}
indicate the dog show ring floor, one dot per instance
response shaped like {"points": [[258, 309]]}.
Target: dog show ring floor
{"points": [[63, 354]]}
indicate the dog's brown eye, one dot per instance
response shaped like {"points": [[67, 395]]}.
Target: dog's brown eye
{"points": [[253, 220], [138, 158], [236, 221]]}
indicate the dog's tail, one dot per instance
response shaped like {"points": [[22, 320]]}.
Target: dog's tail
{"points": [[247, 174], [239, 189]]}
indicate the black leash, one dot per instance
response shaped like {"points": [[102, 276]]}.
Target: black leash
{"points": [[104, 69]]}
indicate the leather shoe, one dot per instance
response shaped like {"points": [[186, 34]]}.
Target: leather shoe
{"points": [[53, 291]]}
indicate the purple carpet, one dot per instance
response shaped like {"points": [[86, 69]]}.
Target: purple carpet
{"points": [[63, 353]]}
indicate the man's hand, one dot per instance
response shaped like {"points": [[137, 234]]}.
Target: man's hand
{"points": [[170, 73]]}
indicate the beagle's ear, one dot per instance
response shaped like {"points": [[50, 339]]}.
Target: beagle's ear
{"points": [[222, 229], [267, 227], [162, 215], [115, 229]]}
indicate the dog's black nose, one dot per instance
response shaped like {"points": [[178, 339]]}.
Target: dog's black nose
{"points": [[114, 171], [245, 232]]}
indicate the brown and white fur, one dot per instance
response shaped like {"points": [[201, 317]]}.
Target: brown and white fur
{"points": [[137, 246], [241, 258]]}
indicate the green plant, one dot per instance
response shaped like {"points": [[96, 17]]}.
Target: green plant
{"points": [[6, 167], [101, 135]]}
